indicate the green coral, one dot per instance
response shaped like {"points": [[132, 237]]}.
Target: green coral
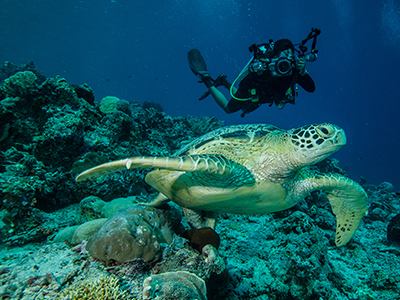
{"points": [[20, 84], [20, 184], [62, 136], [108, 104]]}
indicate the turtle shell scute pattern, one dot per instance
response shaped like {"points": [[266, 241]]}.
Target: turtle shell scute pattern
{"points": [[246, 132]]}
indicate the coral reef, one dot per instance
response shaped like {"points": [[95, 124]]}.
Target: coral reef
{"points": [[48, 127], [286, 255], [20, 84], [179, 256], [8, 69], [155, 105], [393, 229]]}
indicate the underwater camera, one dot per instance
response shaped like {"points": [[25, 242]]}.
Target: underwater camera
{"points": [[285, 63], [282, 65]]}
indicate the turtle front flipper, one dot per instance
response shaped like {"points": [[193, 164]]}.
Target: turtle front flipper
{"points": [[158, 201], [213, 164], [349, 203]]}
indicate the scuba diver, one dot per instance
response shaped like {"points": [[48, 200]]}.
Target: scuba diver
{"points": [[271, 76]]}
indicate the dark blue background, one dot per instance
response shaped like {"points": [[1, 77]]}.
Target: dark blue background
{"points": [[136, 50]]}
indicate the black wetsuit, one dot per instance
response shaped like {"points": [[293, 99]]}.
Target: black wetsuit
{"points": [[269, 89]]}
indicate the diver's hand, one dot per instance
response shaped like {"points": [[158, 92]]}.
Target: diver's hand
{"points": [[205, 78], [301, 66]]}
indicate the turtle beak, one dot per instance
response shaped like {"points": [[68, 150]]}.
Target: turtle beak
{"points": [[340, 139], [334, 143], [331, 145]]}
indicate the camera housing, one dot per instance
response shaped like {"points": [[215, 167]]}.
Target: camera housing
{"points": [[282, 66]]}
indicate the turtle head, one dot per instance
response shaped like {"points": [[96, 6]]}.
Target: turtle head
{"points": [[316, 142]]}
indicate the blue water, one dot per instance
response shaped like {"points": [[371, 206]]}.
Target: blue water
{"points": [[136, 50]]}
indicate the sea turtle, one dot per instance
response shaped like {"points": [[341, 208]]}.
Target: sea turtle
{"points": [[251, 169]]}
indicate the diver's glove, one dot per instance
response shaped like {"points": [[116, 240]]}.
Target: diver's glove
{"points": [[205, 78], [301, 66], [221, 80]]}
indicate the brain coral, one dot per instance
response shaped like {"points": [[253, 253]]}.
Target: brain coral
{"points": [[133, 233], [109, 104]]}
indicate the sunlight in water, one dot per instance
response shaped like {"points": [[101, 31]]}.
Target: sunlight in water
{"points": [[391, 22]]}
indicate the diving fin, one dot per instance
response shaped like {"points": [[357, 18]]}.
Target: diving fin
{"points": [[205, 95], [196, 61]]}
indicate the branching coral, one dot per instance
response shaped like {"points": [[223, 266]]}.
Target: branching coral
{"points": [[105, 288]]}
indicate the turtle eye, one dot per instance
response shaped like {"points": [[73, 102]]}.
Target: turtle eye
{"points": [[324, 131]]}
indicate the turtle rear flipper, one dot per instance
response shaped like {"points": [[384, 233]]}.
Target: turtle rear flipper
{"points": [[349, 203]]}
